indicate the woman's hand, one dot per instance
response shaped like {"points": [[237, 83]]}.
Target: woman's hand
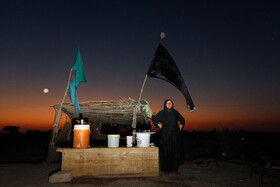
{"points": [[180, 126], [160, 125]]}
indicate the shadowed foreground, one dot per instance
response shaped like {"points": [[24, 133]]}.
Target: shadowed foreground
{"points": [[213, 158], [195, 173]]}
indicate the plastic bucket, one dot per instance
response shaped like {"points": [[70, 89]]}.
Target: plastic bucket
{"points": [[81, 136], [113, 140], [143, 139]]}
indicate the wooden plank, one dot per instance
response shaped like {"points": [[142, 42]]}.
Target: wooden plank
{"points": [[109, 162]]}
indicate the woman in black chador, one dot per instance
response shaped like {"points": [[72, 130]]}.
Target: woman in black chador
{"points": [[170, 148]]}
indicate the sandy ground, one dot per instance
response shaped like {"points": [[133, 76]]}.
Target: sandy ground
{"points": [[206, 173]]}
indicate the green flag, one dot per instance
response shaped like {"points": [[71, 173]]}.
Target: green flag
{"points": [[78, 67]]}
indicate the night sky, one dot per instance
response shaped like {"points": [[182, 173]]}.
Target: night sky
{"points": [[228, 53]]}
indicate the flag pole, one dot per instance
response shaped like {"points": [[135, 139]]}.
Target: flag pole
{"points": [[60, 108], [134, 109], [162, 36], [67, 87], [57, 116], [144, 82]]}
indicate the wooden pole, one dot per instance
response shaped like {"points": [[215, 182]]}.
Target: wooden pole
{"points": [[162, 36], [58, 115], [144, 82], [56, 124], [134, 109]]}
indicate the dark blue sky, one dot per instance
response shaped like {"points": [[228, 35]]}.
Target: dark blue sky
{"points": [[227, 52]]}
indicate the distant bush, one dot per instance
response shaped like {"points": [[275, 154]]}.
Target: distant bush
{"points": [[11, 129]]}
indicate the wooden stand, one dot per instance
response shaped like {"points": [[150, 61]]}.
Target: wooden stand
{"points": [[111, 162]]}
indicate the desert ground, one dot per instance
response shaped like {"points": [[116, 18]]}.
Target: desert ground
{"points": [[211, 159], [195, 173]]}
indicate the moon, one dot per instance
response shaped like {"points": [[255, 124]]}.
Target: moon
{"points": [[46, 90]]}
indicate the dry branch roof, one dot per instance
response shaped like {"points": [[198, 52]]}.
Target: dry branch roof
{"points": [[112, 112]]}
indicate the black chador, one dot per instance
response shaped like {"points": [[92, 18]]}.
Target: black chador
{"points": [[170, 148]]}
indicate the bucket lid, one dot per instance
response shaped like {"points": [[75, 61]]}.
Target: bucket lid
{"points": [[81, 127], [143, 133], [113, 135]]}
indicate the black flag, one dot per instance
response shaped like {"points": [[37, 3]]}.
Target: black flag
{"points": [[163, 67]]}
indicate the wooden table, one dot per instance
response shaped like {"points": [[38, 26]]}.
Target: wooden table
{"points": [[111, 162]]}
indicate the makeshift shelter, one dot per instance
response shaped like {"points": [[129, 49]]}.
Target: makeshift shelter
{"points": [[117, 112], [104, 112]]}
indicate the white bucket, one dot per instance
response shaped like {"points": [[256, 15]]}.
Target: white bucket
{"points": [[143, 139], [113, 140]]}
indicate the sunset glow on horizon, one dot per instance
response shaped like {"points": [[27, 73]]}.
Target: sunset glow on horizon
{"points": [[42, 118], [227, 53]]}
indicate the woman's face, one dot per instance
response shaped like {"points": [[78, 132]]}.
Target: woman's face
{"points": [[168, 104]]}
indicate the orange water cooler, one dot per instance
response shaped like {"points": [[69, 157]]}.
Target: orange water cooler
{"points": [[81, 136]]}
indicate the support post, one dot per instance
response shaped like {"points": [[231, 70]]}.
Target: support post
{"points": [[134, 109], [56, 126], [144, 82]]}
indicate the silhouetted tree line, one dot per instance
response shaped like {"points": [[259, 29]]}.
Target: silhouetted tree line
{"points": [[11, 129], [253, 147], [16, 146]]}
